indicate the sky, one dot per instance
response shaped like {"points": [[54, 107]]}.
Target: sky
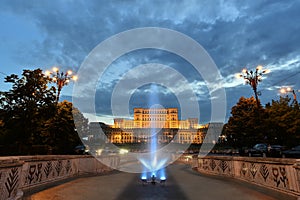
{"points": [[234, 34]]}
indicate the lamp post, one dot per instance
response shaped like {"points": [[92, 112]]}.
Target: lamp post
{"points": [[289, 89], [60, 78], [253, 78]]}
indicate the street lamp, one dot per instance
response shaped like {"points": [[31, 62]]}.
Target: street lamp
{"points": [[60, 78], [289, 89], [253, 78]]}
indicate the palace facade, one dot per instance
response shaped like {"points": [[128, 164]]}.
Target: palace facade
{"points": [[162, 123], [156, 118]]}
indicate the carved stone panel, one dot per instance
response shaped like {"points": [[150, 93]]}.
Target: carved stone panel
{"points": [[10, 180]]}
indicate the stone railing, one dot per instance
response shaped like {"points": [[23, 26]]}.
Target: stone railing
{"points": [[21, 174], [275, 173], [185, 158]]}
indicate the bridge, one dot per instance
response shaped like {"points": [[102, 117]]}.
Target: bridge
{"points": [[191, 177]]}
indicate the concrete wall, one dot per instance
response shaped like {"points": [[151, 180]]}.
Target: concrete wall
{"points": [[275, 173], [19, 174]]}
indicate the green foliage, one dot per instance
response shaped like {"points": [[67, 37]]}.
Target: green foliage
{"points": [[283, 121], [30, 117], [245, 126], [277, 123], [59, 131], [25, 106]]}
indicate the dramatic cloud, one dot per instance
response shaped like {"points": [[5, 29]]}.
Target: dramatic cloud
{"points": [[236, 34]]}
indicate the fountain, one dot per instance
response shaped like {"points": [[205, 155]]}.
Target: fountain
{"points": [[153, 163]]}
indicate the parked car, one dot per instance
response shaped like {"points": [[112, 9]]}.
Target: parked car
{"points": [[266, 150], [258, 150], [292, 153], [81, 149], [275, 150]]}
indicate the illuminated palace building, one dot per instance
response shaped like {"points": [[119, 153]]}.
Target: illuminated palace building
{"points": [[161, 122]]}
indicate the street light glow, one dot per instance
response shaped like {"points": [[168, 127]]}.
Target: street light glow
{"points": [[69, 72], [74, 78], [55, 69], [259, 67], [282, 90], [286, 90], [238, 75], [60, 78], [47, 73], [253, 78]]}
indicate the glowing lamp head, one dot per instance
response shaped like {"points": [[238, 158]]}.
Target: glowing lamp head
{"points": [[74, 78], [266, 71], [69, 72], [55, 69], [259, 67], [238, 75], [244, 70], [282, 90], [288, 89], [47, 73]]}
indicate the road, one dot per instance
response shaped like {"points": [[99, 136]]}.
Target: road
{"points": [[182, 183]]}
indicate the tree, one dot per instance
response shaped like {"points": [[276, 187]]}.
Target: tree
{"points": [[25, 106], [277, 123], [283, 121], [30, 117], [60, 132], [246, 125]]}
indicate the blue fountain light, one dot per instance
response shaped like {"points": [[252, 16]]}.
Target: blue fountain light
{"points": [[153, 164], [162, 174]]}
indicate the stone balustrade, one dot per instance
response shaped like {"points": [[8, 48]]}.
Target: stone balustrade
{"points": [[23, 173], [274, 173], [185, 158]]}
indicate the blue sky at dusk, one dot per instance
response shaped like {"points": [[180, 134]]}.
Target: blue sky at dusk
{"points": [[236, 34]]}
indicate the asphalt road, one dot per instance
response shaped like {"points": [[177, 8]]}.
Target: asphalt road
{"points": [[182, 183]]}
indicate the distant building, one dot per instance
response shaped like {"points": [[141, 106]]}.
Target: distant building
{"points": [[161, 122], [123, 123], [155, 118]]}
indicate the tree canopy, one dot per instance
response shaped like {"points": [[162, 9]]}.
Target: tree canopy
{"points": [[30, 116], [283, 121], [276, 123], [60, 132]]}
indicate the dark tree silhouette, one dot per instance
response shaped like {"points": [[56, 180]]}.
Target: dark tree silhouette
{"points": [[30, 117]]}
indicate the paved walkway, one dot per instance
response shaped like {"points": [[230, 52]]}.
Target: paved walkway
{"points": [[182, 183]]}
